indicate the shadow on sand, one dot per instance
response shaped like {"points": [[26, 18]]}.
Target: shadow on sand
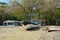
{"points": [[53, 30], [33, 29]]}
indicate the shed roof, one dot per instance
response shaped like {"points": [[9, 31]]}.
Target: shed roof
{"points": [[11, 21]]}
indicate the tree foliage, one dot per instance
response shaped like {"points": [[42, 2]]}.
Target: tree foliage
{"points": [[2, 11], [16, 10], [46, 9]]}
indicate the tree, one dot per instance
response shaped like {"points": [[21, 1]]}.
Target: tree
{"points": [[44, 7], [16, 10], [2, 12]]}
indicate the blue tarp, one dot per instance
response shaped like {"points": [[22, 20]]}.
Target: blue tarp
{"points": [[36, 23]]}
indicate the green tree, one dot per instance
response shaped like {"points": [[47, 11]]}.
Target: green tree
{"points": [[46, 8], [16, 10], [3, 6]]}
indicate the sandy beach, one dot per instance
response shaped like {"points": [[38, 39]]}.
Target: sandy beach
{"points": [[20, 33]]}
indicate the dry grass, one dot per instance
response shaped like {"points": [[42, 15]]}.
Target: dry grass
{"points": [[19, 33]]}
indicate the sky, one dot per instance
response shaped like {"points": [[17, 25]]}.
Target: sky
{"points": [[7, 1], [4, 1]]}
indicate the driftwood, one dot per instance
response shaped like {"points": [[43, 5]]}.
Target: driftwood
{"points": [[53, 28], [50, 28]]}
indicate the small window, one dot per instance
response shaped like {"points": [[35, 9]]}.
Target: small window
{"points": [[10, 23]]}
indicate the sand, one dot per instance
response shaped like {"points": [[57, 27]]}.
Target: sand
{"points": [[20, 33]]}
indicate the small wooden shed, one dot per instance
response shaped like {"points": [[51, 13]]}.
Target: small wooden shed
{"points": [[11, 23]]}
